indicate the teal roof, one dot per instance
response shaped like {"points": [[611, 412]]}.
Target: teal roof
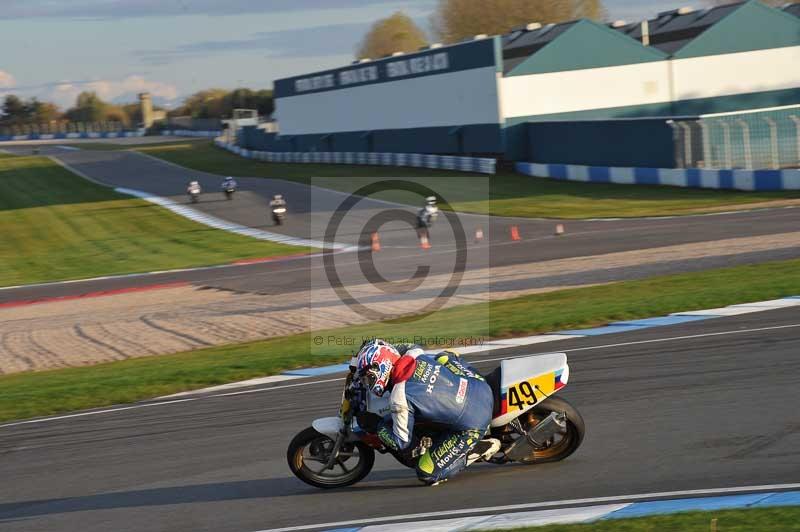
{"points": [[752, 26], [575, 46]]}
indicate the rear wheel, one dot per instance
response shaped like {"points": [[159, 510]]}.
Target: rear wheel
{"points": [[308, 455], [559, 446]]}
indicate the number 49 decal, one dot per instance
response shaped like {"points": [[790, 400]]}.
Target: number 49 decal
{"points": [[521, 395]]}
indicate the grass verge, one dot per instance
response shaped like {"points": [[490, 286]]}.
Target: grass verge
{"points": [[784, 519], [34, 394], [506, 194], [58, 226]]}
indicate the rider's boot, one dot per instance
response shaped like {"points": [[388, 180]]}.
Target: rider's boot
{"points": [[484, 450], [431, 484]]}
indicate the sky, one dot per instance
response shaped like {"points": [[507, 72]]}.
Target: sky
{"points": [[54, 49]]}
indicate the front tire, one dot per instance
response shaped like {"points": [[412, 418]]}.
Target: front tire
{"points": [[309, 451]]}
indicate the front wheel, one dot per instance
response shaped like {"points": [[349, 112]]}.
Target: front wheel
{"points": [[308, 455]]}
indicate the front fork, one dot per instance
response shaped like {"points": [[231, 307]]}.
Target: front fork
{"points": [[337, 445], [346, 415]]}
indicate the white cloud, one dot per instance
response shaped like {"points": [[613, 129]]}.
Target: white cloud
{"points": [[125, 90], [7, 81]]}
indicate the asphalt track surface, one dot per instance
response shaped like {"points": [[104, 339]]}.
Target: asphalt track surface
{"points": [[311, 210], [704, 405]]}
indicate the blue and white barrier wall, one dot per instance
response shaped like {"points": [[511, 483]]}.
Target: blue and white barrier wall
{"points": [[480, 165], [759, 180], [84, 135], [190, 133]]}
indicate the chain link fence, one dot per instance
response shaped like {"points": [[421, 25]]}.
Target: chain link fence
{"points": [[752, 140]]}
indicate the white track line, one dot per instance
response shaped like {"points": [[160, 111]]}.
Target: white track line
{"points": [[325, 381], [208, 220], [656, 340], [224, 225], [547, 504], [268, 260], [160, 403]]}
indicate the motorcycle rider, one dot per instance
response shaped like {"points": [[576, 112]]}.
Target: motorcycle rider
{"points": [[193, 187], [428, 213], [440, 389], [229, 183], [277, 201], [194, 190]]}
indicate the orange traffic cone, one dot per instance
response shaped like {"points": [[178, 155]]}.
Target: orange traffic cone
{"points": [[515, 233], [376, 242], [424, 243], [559, 229], [479, 234]]}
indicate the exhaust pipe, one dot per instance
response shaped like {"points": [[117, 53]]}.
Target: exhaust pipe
{"points": [[537, 437]]}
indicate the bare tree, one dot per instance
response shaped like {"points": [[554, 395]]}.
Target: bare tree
{"points": [[455, 20], [397, 33]]}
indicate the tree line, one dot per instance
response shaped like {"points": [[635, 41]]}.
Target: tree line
{"points": [[456, 20], [89, 107]]}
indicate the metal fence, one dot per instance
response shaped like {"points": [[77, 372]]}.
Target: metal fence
{"points": [[57, 127], [442, 162], [757, 139]]}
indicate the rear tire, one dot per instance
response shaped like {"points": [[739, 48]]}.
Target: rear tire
{"points": [[569, 442], [312, 446]]}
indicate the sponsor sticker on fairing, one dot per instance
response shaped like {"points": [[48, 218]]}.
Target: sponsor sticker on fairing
{"points": [[462, 390]]}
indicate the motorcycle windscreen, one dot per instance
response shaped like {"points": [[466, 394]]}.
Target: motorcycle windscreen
{"points": [[525, 382]]}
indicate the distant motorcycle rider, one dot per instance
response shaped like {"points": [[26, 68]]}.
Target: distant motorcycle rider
{"points": [[441, 389], [194, 190], [193, 187], [278, 209], [229, 183], [428, 214], [277, 201]]}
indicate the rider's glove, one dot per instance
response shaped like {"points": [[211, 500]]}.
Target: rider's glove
{"points": [[425, 443]]}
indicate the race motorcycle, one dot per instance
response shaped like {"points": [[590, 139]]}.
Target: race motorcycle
{"points": [[194, 192], [278, 214], [427, 216], [229, 190], [533, 425]]}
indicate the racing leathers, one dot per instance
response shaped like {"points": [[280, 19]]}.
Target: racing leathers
{"points": [[444, 391]]}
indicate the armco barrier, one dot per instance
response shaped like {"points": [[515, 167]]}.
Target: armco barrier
{"points": [[70, 136], [438, 162], [759, 180], [190, 133]]}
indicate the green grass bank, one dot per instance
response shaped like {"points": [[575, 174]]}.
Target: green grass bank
{"points": [[779, 519], [58, 226]]}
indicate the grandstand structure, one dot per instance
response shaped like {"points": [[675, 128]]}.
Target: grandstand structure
{"points": [[502, 95]]}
